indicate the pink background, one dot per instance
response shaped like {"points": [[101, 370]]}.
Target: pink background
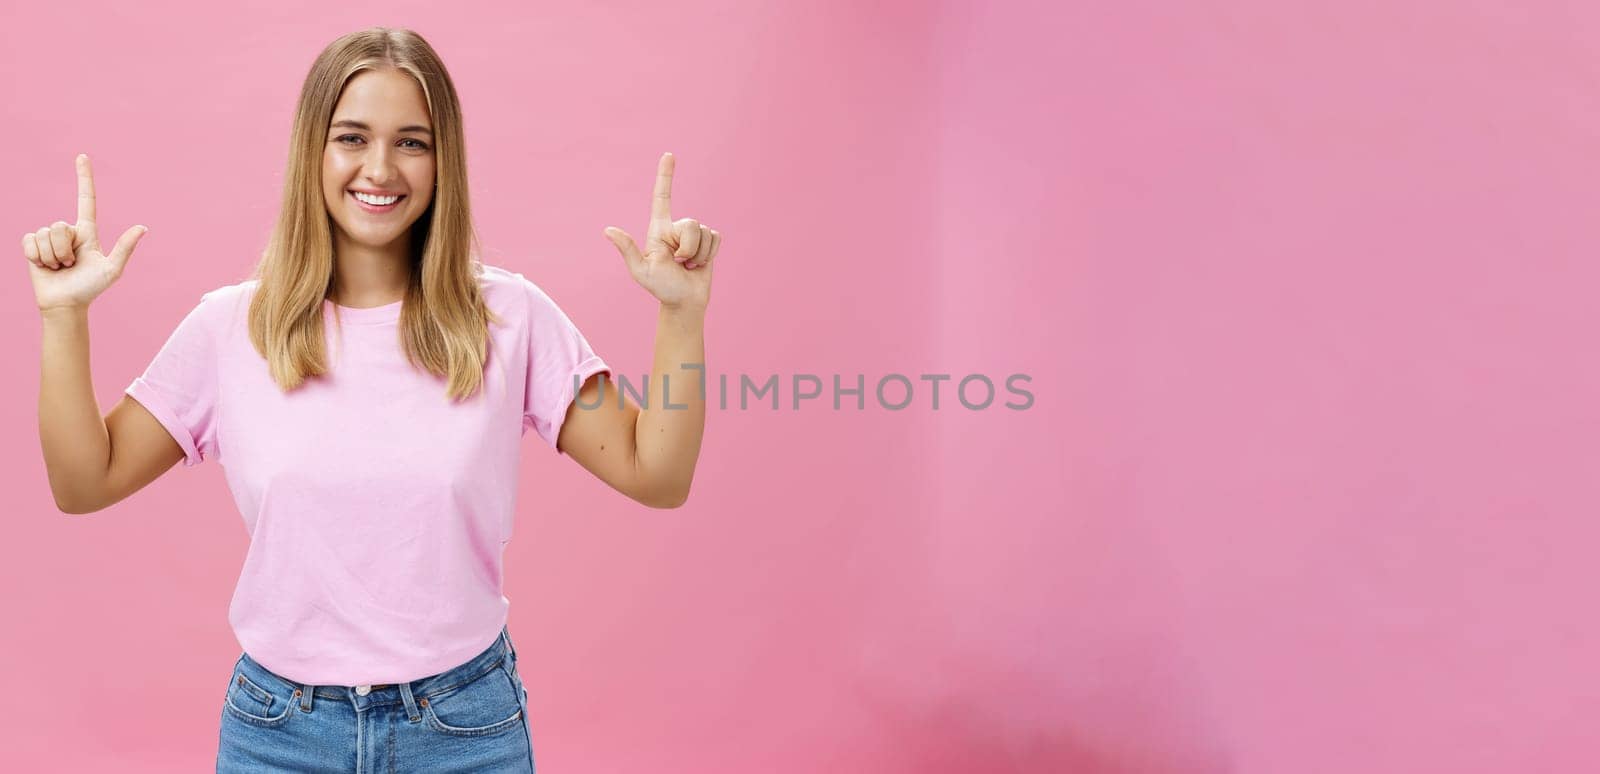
{"points": [[1304, 293]]}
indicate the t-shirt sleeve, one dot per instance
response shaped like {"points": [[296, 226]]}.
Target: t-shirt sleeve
{"points": [[179, 387], [560, 360]]}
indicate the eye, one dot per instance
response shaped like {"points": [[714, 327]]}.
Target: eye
{"points": [[420, 145]]}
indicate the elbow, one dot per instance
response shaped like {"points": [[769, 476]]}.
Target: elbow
{"points": [[76, 503], [665, 497], [657, 490], [72, 508], [664, 503]]}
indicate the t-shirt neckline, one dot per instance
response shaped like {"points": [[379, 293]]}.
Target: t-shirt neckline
{"points": [[371, 315]]}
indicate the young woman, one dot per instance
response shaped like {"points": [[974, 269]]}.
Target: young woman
{"points": [[366, 390]]}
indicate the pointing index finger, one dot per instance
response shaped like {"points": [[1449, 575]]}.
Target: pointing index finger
{"points": [[85, 190], [661, 202]]}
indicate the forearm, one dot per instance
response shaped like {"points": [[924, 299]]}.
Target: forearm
{"points": [[667, 437], [72, 432]]}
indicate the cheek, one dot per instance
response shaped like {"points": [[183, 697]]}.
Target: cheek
{"points": [[338, 167], [424, 177], [331, 176], [421, 202], [422, 182]]}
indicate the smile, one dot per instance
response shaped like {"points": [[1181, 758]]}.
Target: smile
{"points": [[376, 204]]}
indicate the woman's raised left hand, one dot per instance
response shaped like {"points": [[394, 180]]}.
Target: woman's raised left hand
{"points": [[678, 255]]}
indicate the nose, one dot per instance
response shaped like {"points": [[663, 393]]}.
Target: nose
{"points": [[378, 166]]}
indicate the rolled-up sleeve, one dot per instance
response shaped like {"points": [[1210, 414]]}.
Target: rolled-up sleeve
{"points": [[559, 361], [179, 386]]}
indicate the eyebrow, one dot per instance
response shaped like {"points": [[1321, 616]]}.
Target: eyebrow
{"points": [[364, 127]]}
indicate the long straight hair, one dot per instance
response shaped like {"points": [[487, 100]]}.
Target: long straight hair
{"points": [[444, 319]]}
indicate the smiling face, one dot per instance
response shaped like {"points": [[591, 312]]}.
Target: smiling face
{"points": [[380, 144]]}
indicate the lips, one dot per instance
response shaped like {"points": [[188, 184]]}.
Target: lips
{"points": [[373, 208]]}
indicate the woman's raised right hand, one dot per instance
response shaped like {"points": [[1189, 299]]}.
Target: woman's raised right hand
{"points": [[64, 259]]}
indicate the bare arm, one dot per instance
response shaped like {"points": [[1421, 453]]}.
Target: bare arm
{"points": [[647, 454], [92, 462], [650, 453], [667, 437]]}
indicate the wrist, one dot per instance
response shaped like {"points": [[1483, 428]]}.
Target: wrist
{"points": [[684, 309], [64, 312]]}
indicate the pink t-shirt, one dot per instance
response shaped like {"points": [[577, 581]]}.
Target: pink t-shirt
{"points": [[378, 511]]}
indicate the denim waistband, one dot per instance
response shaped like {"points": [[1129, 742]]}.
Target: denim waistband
{"points": [[401, 693]]}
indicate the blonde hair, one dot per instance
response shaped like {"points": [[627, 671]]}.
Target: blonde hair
{"points": [[444, 319]]}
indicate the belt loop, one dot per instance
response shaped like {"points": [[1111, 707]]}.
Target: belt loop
{"points": [[410, 702], [305, 697], [505, 635]]}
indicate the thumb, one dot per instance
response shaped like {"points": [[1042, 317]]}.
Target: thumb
{"points": [[124, 249], [625, 245]]}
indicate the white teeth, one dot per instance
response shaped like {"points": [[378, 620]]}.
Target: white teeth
{"points": [[376, 200]]}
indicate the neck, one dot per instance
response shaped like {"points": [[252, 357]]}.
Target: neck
{"points": [[365, 276]]}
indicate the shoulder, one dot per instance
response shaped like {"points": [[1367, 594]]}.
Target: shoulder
{"points": [[500, 284], [219, 309], [230, 296], [509, 291]]}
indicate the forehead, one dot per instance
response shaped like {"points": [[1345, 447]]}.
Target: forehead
{"points": [[382, 98]]}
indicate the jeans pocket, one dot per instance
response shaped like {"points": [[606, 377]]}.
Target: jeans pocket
{"points": [[488, 704], [249, 702]]}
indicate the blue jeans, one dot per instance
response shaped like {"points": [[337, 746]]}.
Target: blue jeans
{"points": [[471, 718]]}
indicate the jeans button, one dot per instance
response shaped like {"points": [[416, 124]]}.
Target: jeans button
{"points": [[363, 690]]}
